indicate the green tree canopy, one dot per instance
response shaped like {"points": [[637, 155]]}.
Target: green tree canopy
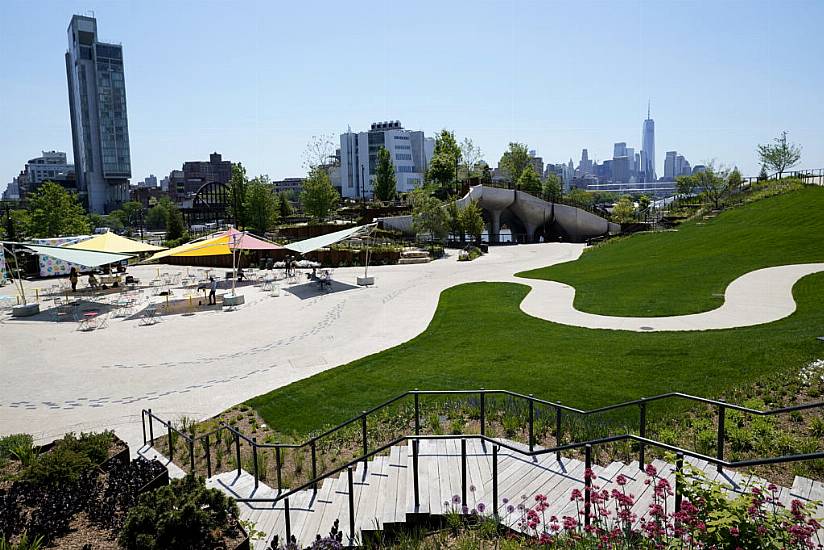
{"points": [[623, 211], [781, 155], [713, 184], [576, 195], [429, 216], [763, 174], [445, 159], [486, 175], [453, 218], [471, 156], [385, 182], [529, 181], [685, 185], [175, 227], [318, 198], [552, 188], [514, 161], [472, 221], [262, 205], [238, 185], [54, 212], [285, 205], [157, 216]]}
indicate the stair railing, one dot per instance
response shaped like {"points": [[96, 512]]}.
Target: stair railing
{"points": [[721, 408]]}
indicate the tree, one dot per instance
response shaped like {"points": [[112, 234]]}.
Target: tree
{"points": [[552, 188], [623, 211], [175, 227], [577, 195], [112, 221], [385, 182], [530, 182], [318, 197], [445, 158], [157, 215], [486, 175], [471, 156], [734, 180], [643, 202], [429, 216], [53, 212], [762, 176], [238, 184], [472, 221], [685, 185], [781, 155], [453, 219], [514, 161], [262, 205], [320, 151], [285, 205], [713, 184]]}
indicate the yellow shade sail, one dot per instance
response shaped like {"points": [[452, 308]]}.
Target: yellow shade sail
{"points": [[217, 245], [112, 242]]}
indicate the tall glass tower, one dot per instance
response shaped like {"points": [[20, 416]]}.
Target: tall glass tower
{"points": [[648, 148], [97, 105]]}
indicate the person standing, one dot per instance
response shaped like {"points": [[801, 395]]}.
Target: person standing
{"points": [[73, 278], [213, 291]]}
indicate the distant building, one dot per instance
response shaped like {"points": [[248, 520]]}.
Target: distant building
{"points": [[176, 185], [698, 168], [537, 163], [150, 182], [409, 150], [97, 106], [288, 184], [669, 165], [12, 192], [619, 150], [585, 166], [648, 149], [197, 173], [147, 196], [621, 169], [51, 166]]}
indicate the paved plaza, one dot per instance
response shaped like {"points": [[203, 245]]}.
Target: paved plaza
{"points": [[57, 378]]}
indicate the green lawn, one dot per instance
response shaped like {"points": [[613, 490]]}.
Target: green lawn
{"points": [[480, 338], [687, 272]]}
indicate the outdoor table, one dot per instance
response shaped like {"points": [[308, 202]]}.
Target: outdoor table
{"points": [[89, 320]]}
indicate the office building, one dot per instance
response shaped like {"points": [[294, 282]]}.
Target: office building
{"points": [[176, 183], [537, 163], [619, 150], [97, 106], [670, 165], [149, 182], [12, 192], [294, 185], [199, 172], [409, 150], [51, 166], [648, 149]]}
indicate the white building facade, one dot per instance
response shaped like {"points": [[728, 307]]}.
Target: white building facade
{"points": [[409, 150]]}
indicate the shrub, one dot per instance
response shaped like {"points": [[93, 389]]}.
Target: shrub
{"points": [[10, 442], [69, 458], [184, 514], [25, 543]]}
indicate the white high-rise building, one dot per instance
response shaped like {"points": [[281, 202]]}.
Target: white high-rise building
{"points": [[97, 105], [409, 150], [670, 165], [648, 149]]}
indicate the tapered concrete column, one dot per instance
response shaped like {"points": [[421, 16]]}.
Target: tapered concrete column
{"points": [[494, 225], [530, 231]]}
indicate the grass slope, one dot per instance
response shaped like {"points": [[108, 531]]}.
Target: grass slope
{"points": [[479, 337], [687, 271]]}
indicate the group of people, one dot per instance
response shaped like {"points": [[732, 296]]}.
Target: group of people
{"points": [[291, 266], [74, 276]]}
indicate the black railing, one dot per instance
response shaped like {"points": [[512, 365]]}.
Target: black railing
{"points": [[560, 410]]}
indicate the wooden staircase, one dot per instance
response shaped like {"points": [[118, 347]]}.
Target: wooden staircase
{"points": [[383, 490]]}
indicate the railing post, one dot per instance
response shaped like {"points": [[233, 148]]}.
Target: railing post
{"points": [[255, 460], [351, 506], [288, 521], [143, 421], [531, 423], [495, 481], [365, 441], [463, 473], [171, 447], [642, 431], [722, 413], [314, 464], [558, 434], [237, 452], [208, 458], [192, 455], [151, 428], [278, 466], [587, 483], [417, 413], [679, 469], [415, 443], [483, 412]]}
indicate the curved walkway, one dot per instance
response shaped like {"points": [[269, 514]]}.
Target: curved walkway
{"points": [[755, 298]]}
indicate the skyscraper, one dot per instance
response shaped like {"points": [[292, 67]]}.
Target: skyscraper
{"points": [[648, 149], [97, 105]]}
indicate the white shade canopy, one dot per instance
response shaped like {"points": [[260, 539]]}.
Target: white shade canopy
{"points": [[88, 258], [308, 245]]}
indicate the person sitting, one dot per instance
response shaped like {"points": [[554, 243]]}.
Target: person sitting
{"points": [[240, 275], [93, 284]]}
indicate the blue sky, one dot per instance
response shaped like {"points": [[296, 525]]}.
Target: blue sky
{"points": [[256, 80]]}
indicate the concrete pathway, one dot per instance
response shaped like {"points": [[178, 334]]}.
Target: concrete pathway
{"points": [[58, 379]]}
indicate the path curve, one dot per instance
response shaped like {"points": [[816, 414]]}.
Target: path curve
{"points": [[755, 298]]}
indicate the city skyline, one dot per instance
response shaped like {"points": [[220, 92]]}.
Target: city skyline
{"points": [[274, 97]]}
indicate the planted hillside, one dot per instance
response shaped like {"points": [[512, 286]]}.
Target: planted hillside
{"points": [[687, 271]]}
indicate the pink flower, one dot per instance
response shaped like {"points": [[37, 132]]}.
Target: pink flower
{"points": [[650, 470], [621, 480], [576, 495]]}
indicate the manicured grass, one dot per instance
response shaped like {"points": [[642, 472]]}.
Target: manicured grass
{"points": [[688, 271], [480, 338]]}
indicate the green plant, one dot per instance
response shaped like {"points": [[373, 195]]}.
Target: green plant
{"points": [[184, 514], [24, 543], [20, 447], [817, 427]]}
